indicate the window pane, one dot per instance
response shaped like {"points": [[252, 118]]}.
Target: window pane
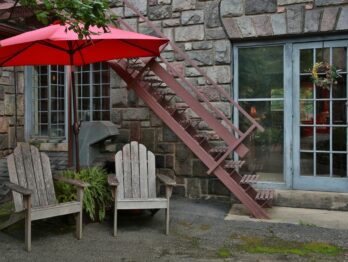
{"points": [[307, 109], [339, 162], [323, 164], [322, 55], [266, 148], [323, 138], [339, 139], [340, 89], [339, 114], [307, 138], [306, 87], [306, 164], [339, 58], [260, 72], [306, 62], [323, 114]]}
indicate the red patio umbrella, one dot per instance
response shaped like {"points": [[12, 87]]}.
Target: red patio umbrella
{"points": [[56, 45]]}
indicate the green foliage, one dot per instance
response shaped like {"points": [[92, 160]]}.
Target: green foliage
{"points": [[224, 253], [278, 246], [78, 15], [96, 197]]}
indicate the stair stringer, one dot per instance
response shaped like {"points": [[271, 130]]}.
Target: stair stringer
{"points": [[204, 156]]}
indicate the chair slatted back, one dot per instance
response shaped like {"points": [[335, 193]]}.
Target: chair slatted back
{"points": [[31, 169], [135, 172]]}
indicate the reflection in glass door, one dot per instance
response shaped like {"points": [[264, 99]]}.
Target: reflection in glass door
{"points": [[320, 119], [261, 93]]}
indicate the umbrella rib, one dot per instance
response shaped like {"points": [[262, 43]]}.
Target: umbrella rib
{"points": [[53, 46], [17, 53], [138, 46]]}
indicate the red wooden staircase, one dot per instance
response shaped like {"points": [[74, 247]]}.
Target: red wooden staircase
{"points": [[182, 107]]}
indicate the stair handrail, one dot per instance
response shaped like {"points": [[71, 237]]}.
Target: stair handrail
{"points": [[197, 92], [193, 64]]}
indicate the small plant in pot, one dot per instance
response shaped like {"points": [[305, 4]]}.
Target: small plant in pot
{"points": [[96, 197]]}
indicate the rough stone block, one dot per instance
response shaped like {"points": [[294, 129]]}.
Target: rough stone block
{"points": [[117, 11], [2, 108], [262, 25], [232, 28], [176, 69], [116, 116], [192, 17], [278, 22], [198, 168], [224, 107], [230, 8], [215, 33], [7, 77], [145, 29], [4, 125], [168, 135], [212, 17], [328, 19], [246, 26], [312, 20], [193, 188], [154, 120], [119, 97], [20, 82], [171, 22], [291, 2], [169, 161], [180, 5], [330, 2], [141, 5], [189, 33], [136, 113], [159, 12], [9, 104], [342, 22], [201, 58], [222, 52], [202, 45], [259, 7], [295, 19], [210, 93], [165, 148], [3, 141], [220, 74]]}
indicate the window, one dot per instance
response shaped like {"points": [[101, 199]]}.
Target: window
{"points": [[49, 98], [261, 94], [323, 123], [49, 102], [93, 91]]}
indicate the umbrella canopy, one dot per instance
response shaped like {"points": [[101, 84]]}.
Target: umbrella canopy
{"points": [[55, 45]]}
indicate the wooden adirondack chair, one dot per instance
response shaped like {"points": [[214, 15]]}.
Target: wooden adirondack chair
{"points": [[33, 190], [134, 186]]}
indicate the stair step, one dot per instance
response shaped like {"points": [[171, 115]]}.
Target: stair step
{"points": [[234, 164], [249, 179], [173, 109], [218, 149], [208, 136], [265, 194]]}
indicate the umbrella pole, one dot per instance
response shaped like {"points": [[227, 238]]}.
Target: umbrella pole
{"points": [[76, 127], [70, 126]]}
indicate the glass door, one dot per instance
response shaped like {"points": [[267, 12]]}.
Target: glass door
{"points": [[260, 91], [320, 119]]}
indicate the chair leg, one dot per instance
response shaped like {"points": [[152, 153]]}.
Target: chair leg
{"points": [[115, 220], [167, 220], [79, 225], [79, 215], [27, 202]]}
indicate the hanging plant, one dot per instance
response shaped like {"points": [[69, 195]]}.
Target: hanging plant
{"points": [[324, 74]]}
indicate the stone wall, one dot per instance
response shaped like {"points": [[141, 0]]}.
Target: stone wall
{"points": [[9, 105], [247, 19]]}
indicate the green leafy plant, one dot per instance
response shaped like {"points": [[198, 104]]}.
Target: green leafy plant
{"points": [[78, 15], [96, 197]]}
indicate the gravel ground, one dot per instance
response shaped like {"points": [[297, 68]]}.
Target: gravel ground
{"points": [[198, 233]]}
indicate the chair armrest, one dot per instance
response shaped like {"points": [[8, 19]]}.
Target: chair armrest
{"points": [[74, 182], [19, 189], [166, 180], [112, 180]]}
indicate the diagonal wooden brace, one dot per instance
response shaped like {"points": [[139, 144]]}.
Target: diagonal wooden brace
{"points": [[231, 148]]}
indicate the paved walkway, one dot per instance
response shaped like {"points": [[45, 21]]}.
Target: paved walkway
{"points": [[198, 233]]}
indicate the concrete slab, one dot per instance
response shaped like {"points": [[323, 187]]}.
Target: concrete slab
{"points": [[299, 216]]}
